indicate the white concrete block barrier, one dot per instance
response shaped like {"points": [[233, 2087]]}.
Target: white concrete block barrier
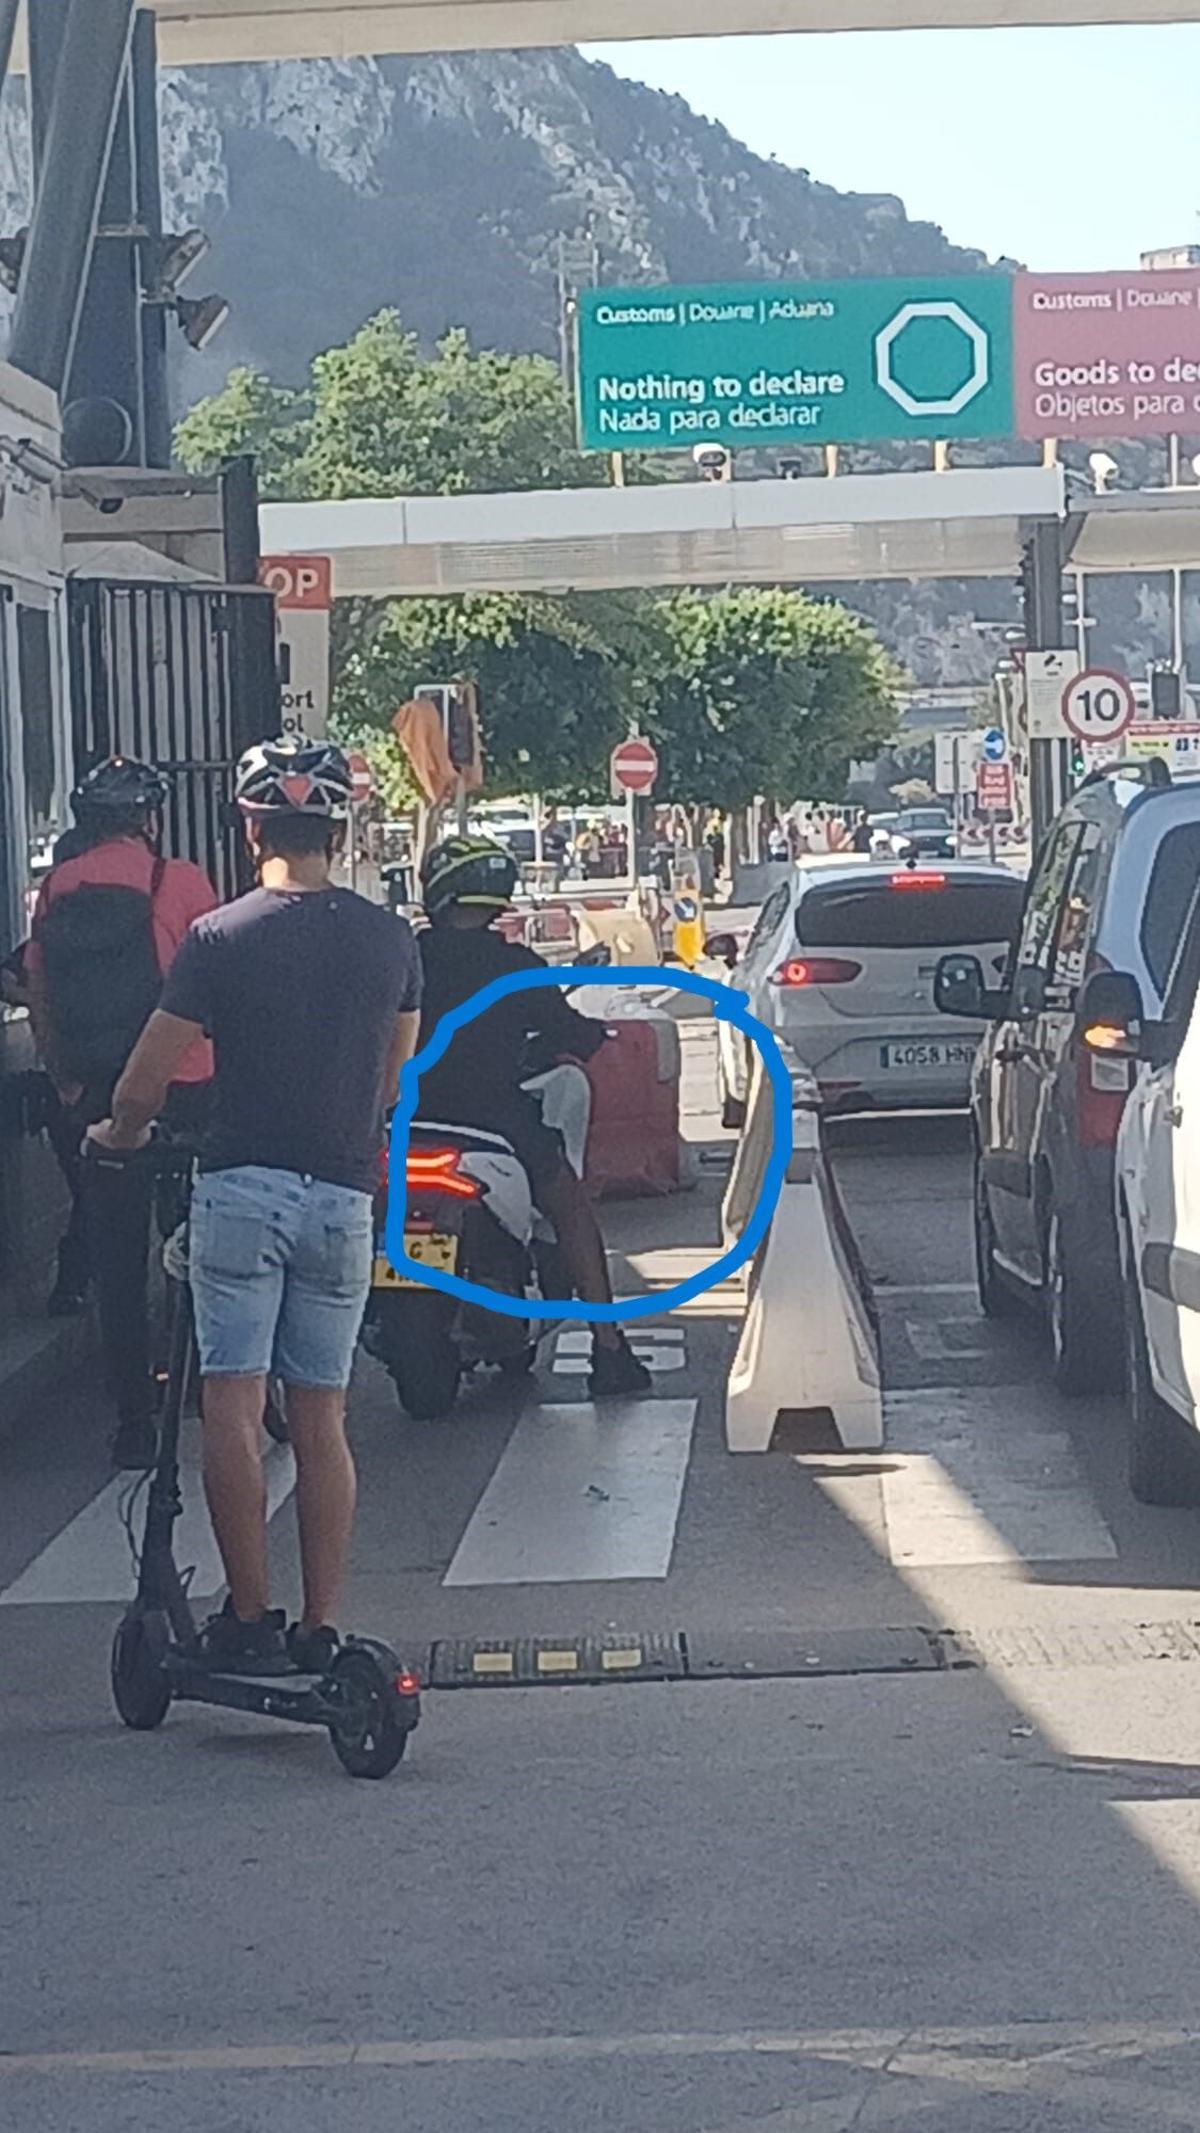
{"points": [[810, 1340]]}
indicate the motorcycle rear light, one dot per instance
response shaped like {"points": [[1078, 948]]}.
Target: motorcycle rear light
{"points": [[437, 1170], [918, 878], [816, 970], [407, 1685]]}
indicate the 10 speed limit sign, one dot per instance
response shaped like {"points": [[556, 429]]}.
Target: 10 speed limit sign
{"points": [[1098, 705]]}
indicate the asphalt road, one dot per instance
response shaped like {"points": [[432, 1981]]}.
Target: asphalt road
{"points": [[959, 1892]]}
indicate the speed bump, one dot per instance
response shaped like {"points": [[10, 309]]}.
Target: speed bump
{"points": [[533, 1662]]}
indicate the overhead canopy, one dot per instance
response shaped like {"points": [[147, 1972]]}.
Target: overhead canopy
{"points": [[198, 32], [957, 525], [1146, 530]]}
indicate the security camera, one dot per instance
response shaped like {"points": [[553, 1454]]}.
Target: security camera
{"points": [[713, 461]]}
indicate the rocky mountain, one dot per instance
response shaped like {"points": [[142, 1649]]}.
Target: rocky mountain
{"points": [[441, 186]]}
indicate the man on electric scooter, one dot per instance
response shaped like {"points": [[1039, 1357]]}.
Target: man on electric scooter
{"points": [[466, 883], [309, 994]]}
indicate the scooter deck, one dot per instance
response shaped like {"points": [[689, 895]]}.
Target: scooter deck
{"points": [[303, 1698]]}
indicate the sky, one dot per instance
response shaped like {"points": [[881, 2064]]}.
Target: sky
{"points": [[1065, 149]]}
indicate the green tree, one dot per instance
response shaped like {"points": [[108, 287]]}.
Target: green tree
{"points": [[766, 691], [557, 679], [249, 414]]}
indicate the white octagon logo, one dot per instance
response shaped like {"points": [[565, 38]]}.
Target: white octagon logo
{"points": [[977, 341]]}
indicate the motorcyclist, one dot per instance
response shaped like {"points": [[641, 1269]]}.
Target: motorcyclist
{"points": [[466, 883]]}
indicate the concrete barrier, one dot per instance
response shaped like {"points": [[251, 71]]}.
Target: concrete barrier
{"points": [[810, 1340]]}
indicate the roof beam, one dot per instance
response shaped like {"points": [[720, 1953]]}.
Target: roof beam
{"points": [[201, 32]]}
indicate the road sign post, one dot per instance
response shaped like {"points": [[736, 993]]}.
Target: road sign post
{"points": [[993, 796], [303, 589], [633, 770]]}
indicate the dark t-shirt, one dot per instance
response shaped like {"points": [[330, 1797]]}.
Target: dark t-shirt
{"points": [[299, 993], [474, 1081]]}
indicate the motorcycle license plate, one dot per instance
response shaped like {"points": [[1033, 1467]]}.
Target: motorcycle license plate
{"points": [[428, 1249]]}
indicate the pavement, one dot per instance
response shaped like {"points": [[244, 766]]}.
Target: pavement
{"points": [[915, 1844]]}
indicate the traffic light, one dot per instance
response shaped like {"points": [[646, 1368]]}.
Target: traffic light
{"points": [[1078, 760], [1166, 692], [462, 732]]}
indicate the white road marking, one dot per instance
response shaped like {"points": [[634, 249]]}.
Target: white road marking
{"points": [[660, 1348], [970, 1485], [929, 1342], [89, 1559], [581, 1494]]}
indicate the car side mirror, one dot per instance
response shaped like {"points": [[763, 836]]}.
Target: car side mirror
{"points": [[1110, 1015], [959, 989], [723, 948]]}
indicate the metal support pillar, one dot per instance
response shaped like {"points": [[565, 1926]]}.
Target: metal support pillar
{"points": [[8, 24], [1045, 631], [156, 401], [103, 419], [47, 23], [83, 117]]}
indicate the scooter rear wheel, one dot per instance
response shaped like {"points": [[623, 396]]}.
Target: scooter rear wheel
{"points": [[412, 1340], [141, 1691]]}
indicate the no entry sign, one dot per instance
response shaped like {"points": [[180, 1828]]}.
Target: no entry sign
{"points": [[364, 783], [634, 767]]}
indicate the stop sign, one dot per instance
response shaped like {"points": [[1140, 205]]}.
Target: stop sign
{"points": [[364, 783], [634, 766]]}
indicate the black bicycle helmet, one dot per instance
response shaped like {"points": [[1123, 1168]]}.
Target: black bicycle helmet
{"points": [[468, 870], [292, 776], [121, 787]]}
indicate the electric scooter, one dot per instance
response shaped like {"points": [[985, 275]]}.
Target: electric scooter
{"points": [[369, 1701]]}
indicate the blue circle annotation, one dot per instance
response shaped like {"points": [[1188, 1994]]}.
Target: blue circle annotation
{"points": [[730, 1007]]}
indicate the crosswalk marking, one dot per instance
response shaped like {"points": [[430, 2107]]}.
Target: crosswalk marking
{"points": [[966, 1485], [90, 1560], [660, 1348], [581, 1494]]}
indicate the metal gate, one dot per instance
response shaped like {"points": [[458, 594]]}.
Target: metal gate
{"points": [[183, 676]]}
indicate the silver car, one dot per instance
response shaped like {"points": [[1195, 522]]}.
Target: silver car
{"points": [[841, 963]]}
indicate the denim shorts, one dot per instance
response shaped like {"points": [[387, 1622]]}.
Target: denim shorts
{"points": [[280, 1270]]}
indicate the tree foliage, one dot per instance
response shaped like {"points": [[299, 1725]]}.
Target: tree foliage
{"points": [[767, 691], [746, 692]]}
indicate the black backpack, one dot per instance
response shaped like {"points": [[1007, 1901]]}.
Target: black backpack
{"points": [[101, 975]]}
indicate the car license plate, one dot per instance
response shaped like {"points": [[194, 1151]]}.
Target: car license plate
{"points": [[428, 1249], [919, 1053]]}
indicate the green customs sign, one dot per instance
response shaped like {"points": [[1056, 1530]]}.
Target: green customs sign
{"points": [[779, 363]]}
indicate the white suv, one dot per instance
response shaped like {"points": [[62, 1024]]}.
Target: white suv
{"points": [[1158, 1216]]}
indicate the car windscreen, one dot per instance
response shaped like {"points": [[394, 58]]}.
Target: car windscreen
{"points": [[927, 818], [958, 914]]}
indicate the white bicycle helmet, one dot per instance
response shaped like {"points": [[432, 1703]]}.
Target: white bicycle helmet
{"points": [[292, 776]]}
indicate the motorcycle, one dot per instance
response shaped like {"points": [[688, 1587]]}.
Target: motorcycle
{"points": [[470, 1212]]}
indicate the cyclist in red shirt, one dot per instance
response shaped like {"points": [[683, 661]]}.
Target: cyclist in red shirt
{"points": [[109, 919]]}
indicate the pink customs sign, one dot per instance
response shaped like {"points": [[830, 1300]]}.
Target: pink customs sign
{"points": [[1107, 355]]}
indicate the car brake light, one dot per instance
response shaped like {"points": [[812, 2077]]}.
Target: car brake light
{"points": [[437, 1170], [1102, 1085], [815, 970], [918, 878]]}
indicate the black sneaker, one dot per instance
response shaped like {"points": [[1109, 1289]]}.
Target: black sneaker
{"points": [[135, 1445], [227, 1645], [616, 1372], [313, 1651]]}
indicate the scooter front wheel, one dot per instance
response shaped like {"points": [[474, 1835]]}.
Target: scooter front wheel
{"points": [[370, 1733], [141, 1691]]}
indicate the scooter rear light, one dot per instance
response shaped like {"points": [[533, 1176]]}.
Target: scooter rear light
{"points": [[816, 970], [407, 1685], [437, 1170]]}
